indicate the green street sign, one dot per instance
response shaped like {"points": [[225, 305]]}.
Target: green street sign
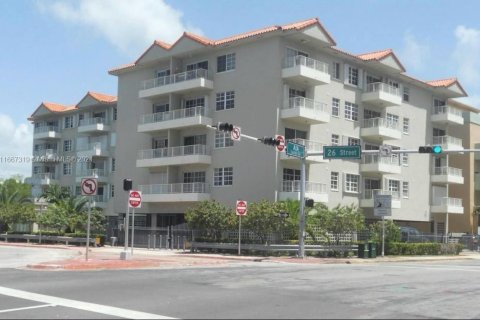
{"points": [[342, 152], [295, 150]]}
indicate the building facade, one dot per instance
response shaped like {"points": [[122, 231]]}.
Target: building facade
{"points": [[290, 80]]}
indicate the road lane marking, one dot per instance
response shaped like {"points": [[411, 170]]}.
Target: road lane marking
{"points": [[27, 308], [86, 306], [437, 267]]}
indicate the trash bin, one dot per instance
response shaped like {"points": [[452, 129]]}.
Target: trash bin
{"points": [[363, 250], [372, 250]]}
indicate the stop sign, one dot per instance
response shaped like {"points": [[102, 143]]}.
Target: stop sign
{"points": [[135, 199], [281, 145], [241, 208]]}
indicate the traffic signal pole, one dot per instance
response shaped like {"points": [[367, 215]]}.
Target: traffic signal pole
{"points": [[301, 231]]}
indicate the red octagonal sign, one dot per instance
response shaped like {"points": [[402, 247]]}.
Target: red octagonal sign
{"points": [[135, 199], [241, 208]]}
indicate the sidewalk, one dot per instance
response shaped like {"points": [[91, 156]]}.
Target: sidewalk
{"points": [[109, 258]]}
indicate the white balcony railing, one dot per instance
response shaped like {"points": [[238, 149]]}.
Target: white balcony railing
{"points": [[91, 121], [370, 193], [310, 187], [92, 173], [443, 171], [447, 110], [380, 122], [384, 87], [450, 202], [375, 158], [304, 103], [307, 62], [46, 129], [44, 152], [172, 115], [196, 187], [175, 78], [445, 140], [197, 149], [94, 146]]}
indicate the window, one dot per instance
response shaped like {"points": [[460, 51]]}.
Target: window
{"points": [[198, 65], [406, 94], [334, 181], [405, 159], [162, 73], [68, 122], [352, 183], [295, 134], [160, 107], [291, 174], [406, 125], [394, 186], [225, 100], [405, 189], [115, 114], [353, 141], [291, 57], [353, 76], [223, 140], [392, 120], [113, 164], [223, 176], [335, 139], [67, 169], [371, 114], [226, 62], [335, 107], [351, 111], [195, 102], [292, 93], [112, 191], [193, 177], [67, 145], [336, 71]]}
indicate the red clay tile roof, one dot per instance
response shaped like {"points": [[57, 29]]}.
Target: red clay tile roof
{"points": [[442, 82], [101, 97], [56, 107], [376, 55], [207, 42]]}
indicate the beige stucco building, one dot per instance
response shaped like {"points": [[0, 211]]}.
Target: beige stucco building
{"points": [[290, 80]]}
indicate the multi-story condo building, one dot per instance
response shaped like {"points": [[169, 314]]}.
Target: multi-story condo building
{"points": [[289, 80], [71, 142]]}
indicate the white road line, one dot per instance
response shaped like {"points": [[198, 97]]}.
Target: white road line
{"points": [[86, 306], [27, 308], [437, 267]]}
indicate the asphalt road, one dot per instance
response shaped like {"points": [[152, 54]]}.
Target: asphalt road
{"points": [[248, 290], [16, 256]]}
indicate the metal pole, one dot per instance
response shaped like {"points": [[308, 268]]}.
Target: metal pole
{"points": [[133, 226], [239, 233], [446, 214], [88, 227], [383, 236], [301, 232]]}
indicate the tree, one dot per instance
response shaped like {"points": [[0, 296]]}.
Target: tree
{"points": [[62, 214], [211, 217], [97, 221], [392, 232], [263, 218], [15, 204], [55, 193]]}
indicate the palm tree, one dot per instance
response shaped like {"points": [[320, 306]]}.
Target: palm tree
{"points": [[55, 193], [13, 192], [71, 207]]}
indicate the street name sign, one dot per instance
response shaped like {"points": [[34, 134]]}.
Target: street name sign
{"points": [[295, 150], [342, 152]]}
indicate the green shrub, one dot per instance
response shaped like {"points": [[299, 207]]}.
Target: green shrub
{"points": [[410, 249]]}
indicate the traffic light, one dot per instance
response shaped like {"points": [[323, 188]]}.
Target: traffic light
{"points": [[430, 149], [127, 184], [225, 126], [270, 141], [309, 203]]}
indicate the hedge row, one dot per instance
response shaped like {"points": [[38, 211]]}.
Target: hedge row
{"points": [[410, 249]]}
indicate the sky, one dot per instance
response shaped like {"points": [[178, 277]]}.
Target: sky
{"points": [[57, 50]]}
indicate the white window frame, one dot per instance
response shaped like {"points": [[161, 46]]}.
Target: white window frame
{"points": [[406, 94], [353, 79], [223, 177], [68, 122], [67, 145], [405, 159], [351, 185], [223, 140], [336, 72], [352, 141], [335, 139], [393, 185], [405, 189], [351, 111], [67, 168], [334, 181], [406, 126], [230, 62], [335, 107], [225, 100]]}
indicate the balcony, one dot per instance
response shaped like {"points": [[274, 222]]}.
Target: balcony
{"points": [[382, 95], [447, 115], [174, 156], [175, 192], [96, 149], [92, 125], [380, 129], [447, 205], [193, 81], [47, 132], [302, 110], [448, 142], [175, 119], [310, 146], [368, 195], [375, 164], [46, 155], [304, 70], [313, 190], [100, 174], [43, 179], [444, 175]]}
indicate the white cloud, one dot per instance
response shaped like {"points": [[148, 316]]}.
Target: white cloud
{"points": [[17, 142], [129, 25], [467, 55], [414, 54]]}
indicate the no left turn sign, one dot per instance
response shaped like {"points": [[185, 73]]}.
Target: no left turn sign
{"points": [[281, 145], [236, 134], [89, 186]]}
